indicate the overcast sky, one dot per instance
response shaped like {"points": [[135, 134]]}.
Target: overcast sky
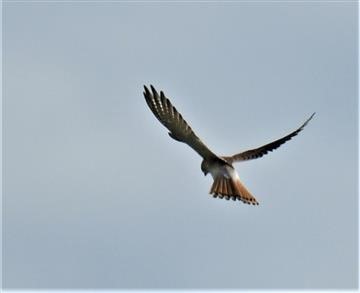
{"points": [[96, 195]]}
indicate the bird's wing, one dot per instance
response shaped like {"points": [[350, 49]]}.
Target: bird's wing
{"points": [[263, 150], [167, 114]]}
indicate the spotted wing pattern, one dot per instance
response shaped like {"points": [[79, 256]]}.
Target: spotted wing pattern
{"points": [[178, 128], [263, 150]]}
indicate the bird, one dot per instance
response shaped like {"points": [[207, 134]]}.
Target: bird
{"points": [[226, 181]]}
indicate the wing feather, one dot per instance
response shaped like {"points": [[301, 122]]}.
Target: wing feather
{"points": [[263, 150], [178, 128]]}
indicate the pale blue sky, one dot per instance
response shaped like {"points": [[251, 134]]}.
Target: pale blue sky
{"points": [[96, 195]]}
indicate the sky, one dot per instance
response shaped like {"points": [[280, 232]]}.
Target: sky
{"points": [[97, 196]]}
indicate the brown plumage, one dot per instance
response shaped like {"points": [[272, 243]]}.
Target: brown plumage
{"points": [[233, 189], [227, 183], [263, 150]]}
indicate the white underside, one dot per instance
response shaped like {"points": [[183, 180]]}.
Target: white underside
{"points": [[224, 171]]}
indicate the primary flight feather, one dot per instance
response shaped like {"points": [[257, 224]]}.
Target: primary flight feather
{"points": [[227, 183]]}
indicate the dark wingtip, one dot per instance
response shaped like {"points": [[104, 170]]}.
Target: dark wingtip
{"points": [[146, 92], [162, 95], [307, 121], [154, 91]]}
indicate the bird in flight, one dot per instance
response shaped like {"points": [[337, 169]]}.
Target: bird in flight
{"points": [[226, 183]]}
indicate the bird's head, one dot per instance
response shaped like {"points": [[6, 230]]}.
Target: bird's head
{"points": [[205, 167]]}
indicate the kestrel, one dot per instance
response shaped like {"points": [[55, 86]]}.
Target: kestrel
{"points": [[227, 183]]}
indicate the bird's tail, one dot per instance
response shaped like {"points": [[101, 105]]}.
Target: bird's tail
{"points": [[231, 188]]}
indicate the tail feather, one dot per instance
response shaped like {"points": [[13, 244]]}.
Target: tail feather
{"points": [[247, 196], [225, 189], [212, 190], [220, 187], [231, 188]]}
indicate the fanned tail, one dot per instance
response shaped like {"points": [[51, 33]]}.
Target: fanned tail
{"points": [[229, 188]]}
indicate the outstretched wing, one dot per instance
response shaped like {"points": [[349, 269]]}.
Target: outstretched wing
{"points": [[167, 114], [263, 150]]}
